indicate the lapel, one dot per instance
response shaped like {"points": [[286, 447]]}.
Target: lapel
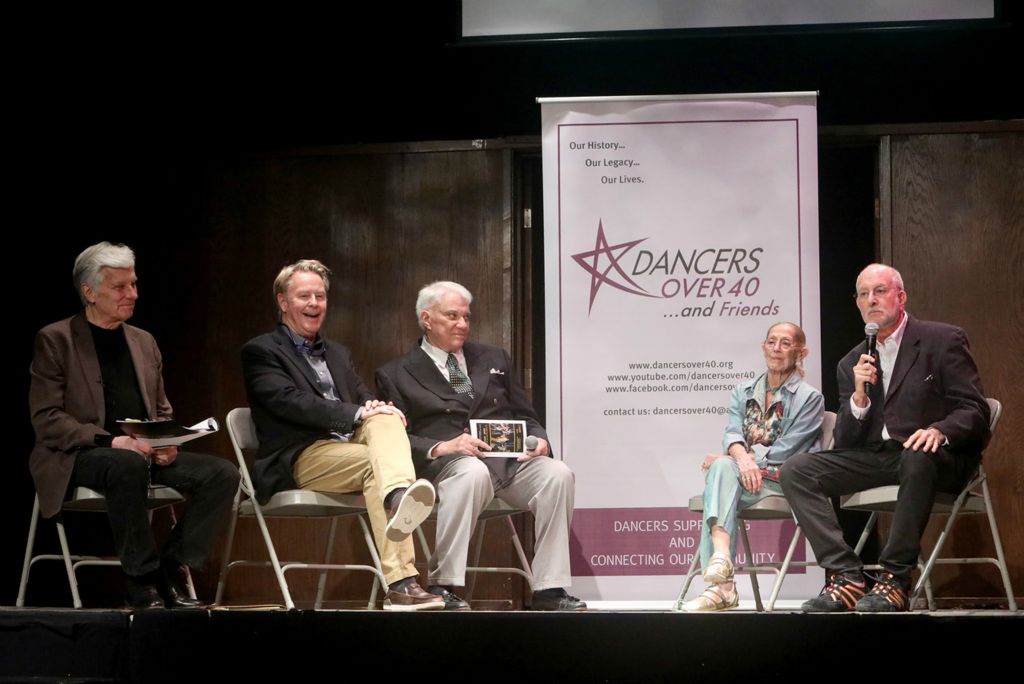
{"points": [[81, 339], [479, 374], [287, 351], [910, 347], [422, 368]]}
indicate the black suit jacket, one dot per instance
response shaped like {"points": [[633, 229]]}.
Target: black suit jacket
{"points": [[934, 383], [288, 409], [437, 413]]}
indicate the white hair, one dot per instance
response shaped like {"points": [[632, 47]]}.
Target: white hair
{"points": [[431, 294], [91, 262]]}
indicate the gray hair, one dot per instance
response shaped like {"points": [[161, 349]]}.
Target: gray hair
{"points": [[284, 277], [431, 294], [91, 262]]}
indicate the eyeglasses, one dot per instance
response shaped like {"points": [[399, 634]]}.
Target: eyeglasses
{"points": [[879, 292], [785, 344]]}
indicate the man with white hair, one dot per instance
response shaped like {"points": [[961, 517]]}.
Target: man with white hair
{"points": [[88, 372], [443, 383]]}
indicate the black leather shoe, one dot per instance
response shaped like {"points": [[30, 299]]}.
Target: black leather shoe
{"points": [[555, 599], [451, 600], [172, 587], [141, 594]]}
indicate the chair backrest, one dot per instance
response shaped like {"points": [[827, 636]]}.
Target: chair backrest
{"points": [[242, 432], [996, 410], [828, 426]]}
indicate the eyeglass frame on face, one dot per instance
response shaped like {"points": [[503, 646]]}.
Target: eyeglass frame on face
{"points": [[880, 292], [785, 344]]}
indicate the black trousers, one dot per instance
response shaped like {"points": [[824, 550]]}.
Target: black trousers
{"points": [[808, 480], [123, 476]]}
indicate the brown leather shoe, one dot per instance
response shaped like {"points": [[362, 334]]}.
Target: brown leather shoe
{"points": [[409, 596]]}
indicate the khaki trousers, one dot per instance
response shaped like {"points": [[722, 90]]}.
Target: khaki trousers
{"points": [[376, 461]]}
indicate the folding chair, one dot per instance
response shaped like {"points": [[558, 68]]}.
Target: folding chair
{"points": [[86, 500], [769, 508], [496, 509], [291, 503], [969, 500]]}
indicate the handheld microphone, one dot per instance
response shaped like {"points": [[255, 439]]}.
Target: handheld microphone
{"points": [[531, 442], [871, 339]]}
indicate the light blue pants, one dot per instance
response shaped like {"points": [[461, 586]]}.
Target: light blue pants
{"points": [[723, 496]]}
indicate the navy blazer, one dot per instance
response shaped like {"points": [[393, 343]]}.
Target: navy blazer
{"points": [[287, 407], [436, 412], [935, 383]]}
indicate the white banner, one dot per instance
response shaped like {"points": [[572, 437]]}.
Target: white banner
{"points": [[677, 230]]}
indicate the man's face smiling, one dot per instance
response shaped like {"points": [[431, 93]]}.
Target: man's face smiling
{"points": [[446, 323], [304, 304]]}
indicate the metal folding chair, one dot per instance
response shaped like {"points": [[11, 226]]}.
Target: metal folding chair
{"points": [[86, 500], [974, 498], [768, 508], [292, 503], [496, 509]]}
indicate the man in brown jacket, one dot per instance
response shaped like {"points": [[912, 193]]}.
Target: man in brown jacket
{"points": [[88, 372]]}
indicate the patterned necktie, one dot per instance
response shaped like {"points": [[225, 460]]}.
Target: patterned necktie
{"points": [[460, 383]]}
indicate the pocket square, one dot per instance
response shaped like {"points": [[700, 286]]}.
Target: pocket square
{"points": [[495, 371]]}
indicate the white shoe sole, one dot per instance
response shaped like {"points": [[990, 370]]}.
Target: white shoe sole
{"points": [[434, 605], [413, 509]]}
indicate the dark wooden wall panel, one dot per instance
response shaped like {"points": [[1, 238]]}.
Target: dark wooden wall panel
{"points": [[385, 223], [958, 240]]}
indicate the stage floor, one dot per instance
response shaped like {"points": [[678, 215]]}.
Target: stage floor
{"points": [[597, 645]]}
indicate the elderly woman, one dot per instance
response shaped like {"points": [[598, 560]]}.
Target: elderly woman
{"points": [[770, 419]]}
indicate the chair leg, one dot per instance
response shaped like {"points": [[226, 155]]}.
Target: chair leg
{"points": [[758, 605], [527, 568], [281, 582], [925, 579], [1011, 603], [870, 525], [785, 568], [690, 574], [76, 600], [372, 548], [478, 544], [321, 585], [26, 566], [228, 547]]}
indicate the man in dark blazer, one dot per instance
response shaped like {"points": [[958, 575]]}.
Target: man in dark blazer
{"points": [[917, 417], [88, 372], [320, 428], [443, 383]]}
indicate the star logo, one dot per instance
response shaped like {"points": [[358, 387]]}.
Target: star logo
{"points": [[602, 261]]}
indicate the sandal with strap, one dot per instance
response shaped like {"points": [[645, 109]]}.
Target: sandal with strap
{"points": [[715, 597], [720, 569]]}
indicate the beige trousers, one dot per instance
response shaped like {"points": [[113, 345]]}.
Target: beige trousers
{"points": [[375, 461]]}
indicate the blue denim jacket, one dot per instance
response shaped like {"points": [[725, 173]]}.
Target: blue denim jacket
{"points": [[802, 411]]}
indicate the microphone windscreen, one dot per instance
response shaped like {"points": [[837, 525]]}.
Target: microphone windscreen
{"points": [[531, 442], [871, 329]]}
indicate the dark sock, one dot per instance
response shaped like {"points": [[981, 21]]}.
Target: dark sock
{"points": [[855, 577], [393, 497], [556, 592], [401, 584]]}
